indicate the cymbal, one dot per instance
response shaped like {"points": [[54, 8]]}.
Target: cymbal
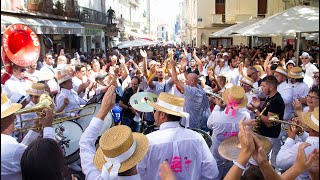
{"points": [[230, 148], [139, 101]]}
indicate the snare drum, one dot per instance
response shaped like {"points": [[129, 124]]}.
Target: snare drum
{"points": [[85, 121], [68, 135], [205, 135]]}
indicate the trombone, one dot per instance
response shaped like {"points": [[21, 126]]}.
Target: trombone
{"points": [[46, 102], [274, 120]]}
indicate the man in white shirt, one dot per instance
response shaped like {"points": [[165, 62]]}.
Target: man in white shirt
{"points": [[81, 84], [11, 150], [94, 163], [308, 68], [233, 73], [67, 92], [288, 152], [224, 124], [286, 92], [47, 67], [301, 89], [221, 68], [185, 150], [17, 84]]}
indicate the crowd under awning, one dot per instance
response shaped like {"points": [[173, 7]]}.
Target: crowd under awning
{"points": [[43, 26]]}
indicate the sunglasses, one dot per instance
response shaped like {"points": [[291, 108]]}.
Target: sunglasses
{"points": [[23, 70], [304, 58], [316, 77]]}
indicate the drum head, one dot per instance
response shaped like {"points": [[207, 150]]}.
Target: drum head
{"points": [[85, 121], [139, 101], [68, 135]]}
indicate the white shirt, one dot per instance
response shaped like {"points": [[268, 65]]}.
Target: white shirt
{"points": [[288, 153], [286, 93], [16, 86], [309, 70], [301, 90], [233, 76], [186, 151], [74, 100], [35, 77], [47, 70], [88, 150], [26, 116], [11, 152], [224, 126], [250, 97], [220, 71]]}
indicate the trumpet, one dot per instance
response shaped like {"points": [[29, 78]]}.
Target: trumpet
{"points": [[274, 120], [46, 102], [255, 90]]}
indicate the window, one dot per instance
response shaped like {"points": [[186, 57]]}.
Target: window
{"points": [[220, 6], [262, 7], [162, 28]]}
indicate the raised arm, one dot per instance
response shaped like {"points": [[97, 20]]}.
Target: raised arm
{"points": [[174, 77], [199, 63], [144, 64], [124, 68]]}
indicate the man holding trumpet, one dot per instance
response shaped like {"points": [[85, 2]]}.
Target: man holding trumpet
{"points": [[11, 150]]}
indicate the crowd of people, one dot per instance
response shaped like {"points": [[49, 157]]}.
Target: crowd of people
{"points": [[225, 92]]}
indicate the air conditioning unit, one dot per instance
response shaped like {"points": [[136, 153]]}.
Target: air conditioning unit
{"points": [[217, 19]]}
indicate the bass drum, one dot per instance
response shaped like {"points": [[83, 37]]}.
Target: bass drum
{"points": [[68, 135], [205, 135], [85, 121]]}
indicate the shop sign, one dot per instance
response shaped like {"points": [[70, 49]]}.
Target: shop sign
{"points": [[111, 31], [93, 32], [55, 30]]}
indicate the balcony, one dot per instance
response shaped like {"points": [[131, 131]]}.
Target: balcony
{"points": [[92, 16], [66, 9]]}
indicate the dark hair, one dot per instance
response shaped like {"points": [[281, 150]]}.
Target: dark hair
{"points": [[43, 159], [271, 80], [300, 80], [135, 77], [253, 173], [171, 117], [78, 67], [6, 122], [314, 89]]}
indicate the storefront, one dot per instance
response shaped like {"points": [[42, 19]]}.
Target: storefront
{"points": [[64, 34]]}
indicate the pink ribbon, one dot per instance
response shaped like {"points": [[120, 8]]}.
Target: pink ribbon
{"points": [[233, 104]]}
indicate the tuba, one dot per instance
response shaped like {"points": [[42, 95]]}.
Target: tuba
{"points": [[21, 46]]}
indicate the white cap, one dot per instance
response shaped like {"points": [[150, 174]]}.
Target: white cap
{"points": [[225, 54], [274, 60], [290, 61], [305, 54]]}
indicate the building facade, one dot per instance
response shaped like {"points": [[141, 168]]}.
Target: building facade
{"points": [[205, 17]]}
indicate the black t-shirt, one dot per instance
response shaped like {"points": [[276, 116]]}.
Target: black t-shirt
{"points": [[195, 71], [208, 82], [125, 99], [276, 106]]}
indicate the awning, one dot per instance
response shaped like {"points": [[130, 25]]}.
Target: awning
{"points": [[43, 26], [288, 22], [138, 35], [229, 30]]}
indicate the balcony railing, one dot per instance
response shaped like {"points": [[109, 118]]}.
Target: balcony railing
{"points": [[92, 16], [68, 8]]}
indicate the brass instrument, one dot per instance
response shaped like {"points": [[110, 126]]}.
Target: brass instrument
{"points": [[46, 102], [255, 90], [258, 119], [274, 120]]}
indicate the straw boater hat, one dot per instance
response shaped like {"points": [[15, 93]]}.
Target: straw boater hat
{"points": [[37, 89], [282, 70], [169, 104], [236, 94], [311, 119], [296, 73], [120, 145], [63, 78], [8, 108], [247, 80], [230, 148]]}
